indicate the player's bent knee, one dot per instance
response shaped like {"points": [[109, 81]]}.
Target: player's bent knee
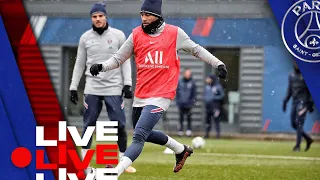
{"points": [[139, 136], [138, 139]]}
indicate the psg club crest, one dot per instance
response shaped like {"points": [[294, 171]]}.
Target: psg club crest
{"points": [[300, 30]]}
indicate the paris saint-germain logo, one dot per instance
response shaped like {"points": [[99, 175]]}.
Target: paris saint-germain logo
{"points": [[300, 30]]}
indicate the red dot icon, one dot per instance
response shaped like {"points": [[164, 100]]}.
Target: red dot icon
{"points": [[21, 157], [81, 175]]}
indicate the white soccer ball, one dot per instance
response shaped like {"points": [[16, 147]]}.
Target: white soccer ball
{"points": [[198, 142]]}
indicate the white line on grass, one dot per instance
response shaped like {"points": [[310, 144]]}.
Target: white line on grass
{"points": [[260, 156]]}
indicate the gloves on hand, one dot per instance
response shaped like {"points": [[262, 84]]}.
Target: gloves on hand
{"points": [[127, 92], [222, 71], [95, 69], [74, 96], [311, 109], [284, 106]]}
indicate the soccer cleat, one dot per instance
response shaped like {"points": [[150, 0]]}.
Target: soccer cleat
{"points": [[181, 158], [130, 169], [309, 142]]}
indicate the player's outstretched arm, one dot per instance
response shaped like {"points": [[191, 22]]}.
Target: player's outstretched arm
{"points": [[126, 72], [123, 54], [79, 65], [126, 66], [78, 70], [185, 43]]}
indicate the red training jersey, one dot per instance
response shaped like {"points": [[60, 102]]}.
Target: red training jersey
{"points": [[158, 66]]}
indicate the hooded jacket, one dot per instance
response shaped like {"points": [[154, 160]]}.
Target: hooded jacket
{"points": [[213, 93], [186, 93]]}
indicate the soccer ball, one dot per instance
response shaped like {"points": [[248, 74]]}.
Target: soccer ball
{"points": [[198, 142]]}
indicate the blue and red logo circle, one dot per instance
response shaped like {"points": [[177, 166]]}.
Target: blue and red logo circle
{"points": [[300, 30]]}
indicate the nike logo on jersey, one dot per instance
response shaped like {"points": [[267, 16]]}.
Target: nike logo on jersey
{"points": [[152, 42]]}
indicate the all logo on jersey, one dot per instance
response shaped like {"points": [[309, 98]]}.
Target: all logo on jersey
{"points": [[157, 58], [153, 60], [300, 30]]}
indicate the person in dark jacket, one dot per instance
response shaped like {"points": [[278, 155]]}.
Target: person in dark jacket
{"points": [[213, 97], [301, 103], [186, 97]]}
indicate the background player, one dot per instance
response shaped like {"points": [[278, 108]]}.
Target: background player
{"points": [[96, 45], [186, 98], [155, 46], [213, 96], [301, 103]]}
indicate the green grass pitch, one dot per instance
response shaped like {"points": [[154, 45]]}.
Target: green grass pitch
{"points": [[229, 160]]}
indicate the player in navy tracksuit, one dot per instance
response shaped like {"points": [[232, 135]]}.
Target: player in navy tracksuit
{"points": [[186, 97], [213, 96], [301, 104]]}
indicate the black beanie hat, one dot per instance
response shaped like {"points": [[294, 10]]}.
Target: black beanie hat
{"points": [[152, 7], [98, 7]]}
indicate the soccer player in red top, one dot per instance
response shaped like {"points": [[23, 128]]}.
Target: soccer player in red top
{"points": [[155, 45]]}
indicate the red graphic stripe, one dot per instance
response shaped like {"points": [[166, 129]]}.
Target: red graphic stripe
{"points": [[28, 37], [36, 79], [197, 29], [43, 110], [203, 26], [314, 127], [207, 26], [15, 20], [318, 128], [266, 125]]}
